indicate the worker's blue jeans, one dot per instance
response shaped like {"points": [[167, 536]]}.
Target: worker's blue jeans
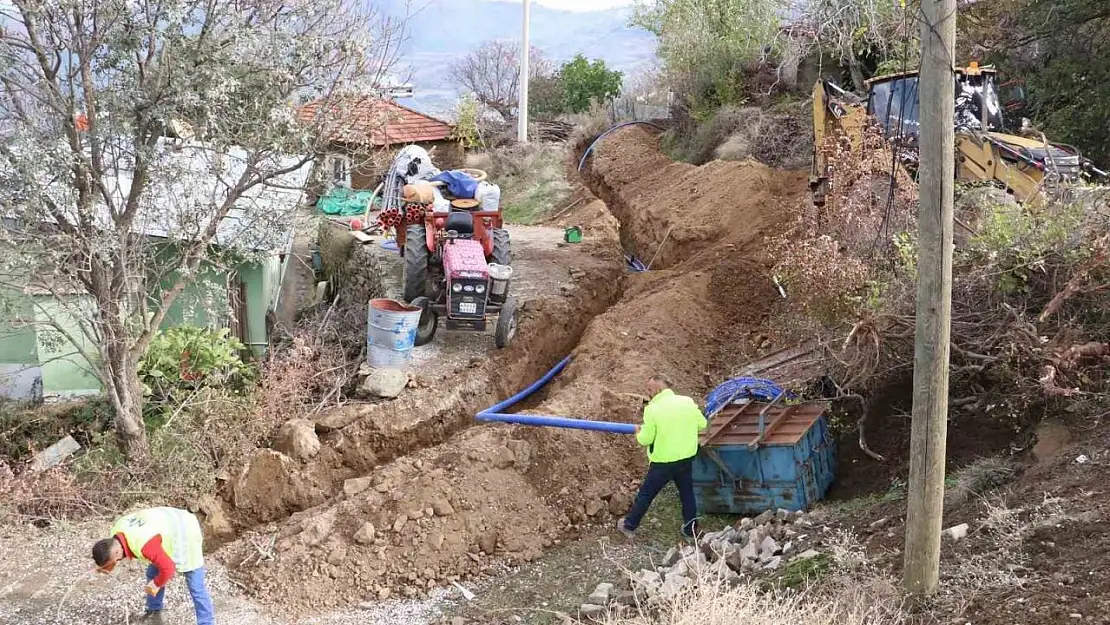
{"points": [[194, 580], [658, 475]]}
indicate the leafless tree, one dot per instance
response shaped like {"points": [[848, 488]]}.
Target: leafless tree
{"points": [[139, 134], [492, 73]]}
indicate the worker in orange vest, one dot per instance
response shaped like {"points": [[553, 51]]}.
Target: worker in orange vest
{"points": [[168, 541]]}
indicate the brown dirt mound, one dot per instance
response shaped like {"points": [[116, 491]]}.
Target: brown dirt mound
{"points": [[692, 208]]}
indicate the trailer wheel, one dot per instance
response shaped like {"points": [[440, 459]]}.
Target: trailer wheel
{"points": [[506, 324], [415, 271], [502, 253], [429, 321]]}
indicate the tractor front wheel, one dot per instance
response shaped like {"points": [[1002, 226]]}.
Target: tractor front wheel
{"points": [[415, 272], [505, 330], [502, 255], [429, 321]]}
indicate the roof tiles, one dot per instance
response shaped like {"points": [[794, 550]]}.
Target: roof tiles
{"points": [[375, 122]]}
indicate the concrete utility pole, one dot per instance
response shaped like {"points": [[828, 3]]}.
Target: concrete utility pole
{"points": [[934, 297], [522, 105]]}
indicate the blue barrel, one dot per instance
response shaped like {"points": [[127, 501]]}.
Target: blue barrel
{"points": [[390, 333]]}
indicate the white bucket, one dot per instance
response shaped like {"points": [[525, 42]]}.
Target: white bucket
{"points": [[390, 333], [499, 281]]}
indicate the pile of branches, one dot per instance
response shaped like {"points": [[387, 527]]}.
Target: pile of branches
{"points": [[315, 365], [554, 131]]}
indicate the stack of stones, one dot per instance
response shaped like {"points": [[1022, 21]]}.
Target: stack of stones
{"points": [[750, 547]]}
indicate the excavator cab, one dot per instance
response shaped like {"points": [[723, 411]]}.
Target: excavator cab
{"points": [[893, 101], [1023, 164]]}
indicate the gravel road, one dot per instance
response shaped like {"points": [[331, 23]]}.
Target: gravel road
{"points": [[46, 578]]}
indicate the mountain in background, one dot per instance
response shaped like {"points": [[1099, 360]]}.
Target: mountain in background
{"points": [[442, 31]]}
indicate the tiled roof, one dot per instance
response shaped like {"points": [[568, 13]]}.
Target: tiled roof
{"points": [[373, 121]]}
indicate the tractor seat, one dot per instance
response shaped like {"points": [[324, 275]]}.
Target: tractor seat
{"points": [[460, 221]]}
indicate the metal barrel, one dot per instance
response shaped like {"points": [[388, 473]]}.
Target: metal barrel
{"points": [[390, 333]]}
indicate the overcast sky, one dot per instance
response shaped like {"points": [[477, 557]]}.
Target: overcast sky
{"points": [[581, 5]]}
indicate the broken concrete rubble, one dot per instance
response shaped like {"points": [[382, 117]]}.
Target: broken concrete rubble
{"points": [[956, 532], [601, 595], [749, 547], [54, 455]]}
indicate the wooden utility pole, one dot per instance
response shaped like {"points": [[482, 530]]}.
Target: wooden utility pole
{"points": [[934, 297], [522, 105]]}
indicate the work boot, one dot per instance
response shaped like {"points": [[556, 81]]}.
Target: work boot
{"points": [[623, 529], [151, 618]]}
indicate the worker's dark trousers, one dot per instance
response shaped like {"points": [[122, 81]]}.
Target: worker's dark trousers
{"points": [[658, 474]]}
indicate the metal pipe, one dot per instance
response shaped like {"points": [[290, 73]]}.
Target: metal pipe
{"points": [[494, 412]]}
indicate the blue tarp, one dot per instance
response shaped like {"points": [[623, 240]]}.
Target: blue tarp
{"points": [[458, 183], [759, 389]]}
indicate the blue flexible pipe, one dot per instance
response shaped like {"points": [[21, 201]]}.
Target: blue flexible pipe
{"points": [[582, 163], [494, 412]]}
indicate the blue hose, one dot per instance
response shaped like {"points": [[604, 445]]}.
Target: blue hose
{"points": [[582, 163], [494, 412], [759, 389]]}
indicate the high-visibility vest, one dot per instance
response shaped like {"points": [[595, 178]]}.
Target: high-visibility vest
{"points": [[182, 538]]}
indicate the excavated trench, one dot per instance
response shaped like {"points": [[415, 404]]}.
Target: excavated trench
{"points": [[409, 495]]}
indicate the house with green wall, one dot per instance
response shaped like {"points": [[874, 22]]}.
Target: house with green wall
{"points": [[45, 353]]}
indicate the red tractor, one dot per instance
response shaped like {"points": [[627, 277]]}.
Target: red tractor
{"points": [[447, 272]]}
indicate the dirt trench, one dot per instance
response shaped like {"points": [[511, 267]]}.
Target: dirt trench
{"points": [[410, 496]]}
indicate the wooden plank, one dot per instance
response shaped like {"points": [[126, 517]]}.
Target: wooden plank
{"points": [[361, 236], [772, 426]]}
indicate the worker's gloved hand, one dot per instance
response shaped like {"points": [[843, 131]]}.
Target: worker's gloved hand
{"points": [[152, 589]]}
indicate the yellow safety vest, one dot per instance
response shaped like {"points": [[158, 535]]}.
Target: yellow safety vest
{"points": [[182, 538]]}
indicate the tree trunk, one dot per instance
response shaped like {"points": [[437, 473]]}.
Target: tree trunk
{"points": [[125, 392]]}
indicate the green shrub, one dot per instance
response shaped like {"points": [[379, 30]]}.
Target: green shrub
{"points": [[183, 359]]}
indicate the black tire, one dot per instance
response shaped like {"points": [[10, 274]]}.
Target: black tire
{"points": [[429, 321], [505, 330], [502, 253], [415, 272]]}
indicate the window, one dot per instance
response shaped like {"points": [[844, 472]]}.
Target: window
{"points": [[339, 170]]}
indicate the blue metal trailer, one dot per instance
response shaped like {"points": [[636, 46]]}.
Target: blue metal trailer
{"points": [[758, 456]]}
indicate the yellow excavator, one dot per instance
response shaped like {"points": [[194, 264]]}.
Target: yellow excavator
{"points": [[1027, 167]]}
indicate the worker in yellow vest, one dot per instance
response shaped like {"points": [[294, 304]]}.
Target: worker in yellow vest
{"points": [[168, 541], [672, 424]]}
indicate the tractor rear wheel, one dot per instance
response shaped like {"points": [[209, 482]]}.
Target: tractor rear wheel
{"points": [[415, 272], [502, 254], [505, 330]]}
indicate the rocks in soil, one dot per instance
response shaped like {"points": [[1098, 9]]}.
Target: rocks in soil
{"points": [[619, 504], [297, 439], [503, 458], [356, 485], [270, 486], [384, 383], [337, 555], [214, 522], [522, 453], [365, 534], [487, 542], [314, 530], [442, 507], [594, 506]]}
